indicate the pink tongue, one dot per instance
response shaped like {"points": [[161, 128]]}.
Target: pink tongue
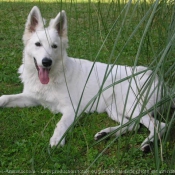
{"points": [[43, 75]]}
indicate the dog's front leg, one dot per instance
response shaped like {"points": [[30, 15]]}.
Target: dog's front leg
{"points": [[17, 100], [61, 127]]}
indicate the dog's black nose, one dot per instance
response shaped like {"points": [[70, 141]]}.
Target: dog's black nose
{"points": [[47, 62]]}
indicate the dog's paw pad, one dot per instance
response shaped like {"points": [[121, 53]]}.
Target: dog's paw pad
{"points": [[146, 148], [99, 135]]}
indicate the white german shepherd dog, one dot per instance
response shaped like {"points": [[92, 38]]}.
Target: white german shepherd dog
{"points": [[66, 85]]}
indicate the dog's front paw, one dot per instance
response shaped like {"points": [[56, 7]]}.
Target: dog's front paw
{"points": [[55, 140], [3, 101]]}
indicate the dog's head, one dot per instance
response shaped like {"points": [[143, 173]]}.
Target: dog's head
{"points": [[45, 46]]}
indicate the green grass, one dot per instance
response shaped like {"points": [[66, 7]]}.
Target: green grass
{"points": [[114, 32]]}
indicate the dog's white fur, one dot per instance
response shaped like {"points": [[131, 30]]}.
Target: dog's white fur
{"points": [[73, 83]]}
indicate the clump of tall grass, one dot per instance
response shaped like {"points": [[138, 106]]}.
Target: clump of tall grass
{"points": [[135, 33], [143, 33]]}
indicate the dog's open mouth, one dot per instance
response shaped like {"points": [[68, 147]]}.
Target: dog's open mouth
{"points": [[43, 73]]}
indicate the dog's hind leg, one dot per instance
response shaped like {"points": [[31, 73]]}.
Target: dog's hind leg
{"points": [[17, 100], [147, 120], [153, 126], [112, 112]]}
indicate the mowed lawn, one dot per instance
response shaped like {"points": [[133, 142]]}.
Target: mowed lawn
{"points": [[112, 32]]}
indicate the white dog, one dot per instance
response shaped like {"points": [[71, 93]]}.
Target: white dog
{"points": [[71, 86]]}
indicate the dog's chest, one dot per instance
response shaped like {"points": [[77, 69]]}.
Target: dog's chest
{"points": [[51, 96]]}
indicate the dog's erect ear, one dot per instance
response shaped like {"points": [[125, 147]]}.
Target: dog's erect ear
{"points": [[34, 22], [60, 23]]}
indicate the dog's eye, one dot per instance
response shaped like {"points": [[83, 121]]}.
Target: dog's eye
{"points": [[54, 46], [38, 44]]}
